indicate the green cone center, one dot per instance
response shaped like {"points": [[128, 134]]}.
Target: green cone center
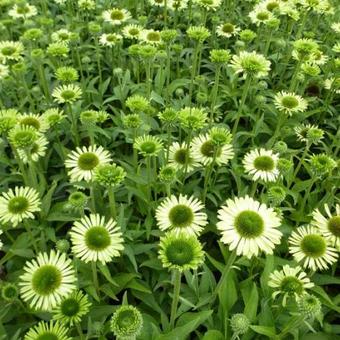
{"points": [[249, 224], [97, 238], [181, 216]]}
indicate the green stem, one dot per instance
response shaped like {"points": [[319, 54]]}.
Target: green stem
{"points": [[243, 100], [95, 276], [175, 297], [214, 93], [79, 330], [302, 158], [226, 270], [112, 202], [193, 71], [29, 231]]}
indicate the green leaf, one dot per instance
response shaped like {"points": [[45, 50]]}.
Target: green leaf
{"points": [[264, 330], [213, 335], [186, 324]]}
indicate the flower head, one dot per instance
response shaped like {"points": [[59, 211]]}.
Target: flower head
{"points": [[116, 16], [250, 64], [309, 247], [47, 280], [207, 152], [180, 251], [328, 224], [72, 308], [289, 102], [11, 50], [182, 157], [67, 93], [261, 164], [82, 162], [181, 214], [95, 239], [46, 330], [109, 175], [126, 322], [23, 11], [249, 226], [227, 30], [290, 281], [148, 145], [239, 323], [19, 204]]}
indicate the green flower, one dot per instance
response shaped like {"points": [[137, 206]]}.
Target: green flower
{"points": [[148, 145], [66, 74], [219, 56], [109, 175], [47, 331], [198, 33], [72, 308], [322, 164], [180, 251], [9, 292], [126, 322], [192, 118], [239, 323]]}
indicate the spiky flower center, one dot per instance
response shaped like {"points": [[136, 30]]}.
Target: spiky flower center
{"points": [[249, 224], [24, 138], [23, 9], [251, 64], [289, 102], [88, 161], [271, 6], [262, 16], [228, 28], [30, 121], [46, 279], [48, 336], [181, 216], [18, 205], [182, 156], [126, 318], [10, 292], [334, 225], [264, 163], [208, 149], [313, 245], [134, 31], [117, 15], [153, 36], [70, 307], [148, 147], [68, 94], [97, 238], [8, 50], [179, 252], [291, 285]]}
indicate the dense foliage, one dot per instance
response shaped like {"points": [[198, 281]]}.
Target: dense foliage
{"points": [[169, 169]]}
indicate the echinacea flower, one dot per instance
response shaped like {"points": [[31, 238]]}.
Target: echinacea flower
{"points": [[72, 308], [182, 157], [207, 152], [250, 64], [82, 162], [126, 322], [181, 214], [180, 251], [288, 282], [67, 93], [116, 16], [47, 280], [96, 239], [19, 204], [44, 330], [289, 102], [328, 224], [261, 165], [249, 226], [309, 247]]}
